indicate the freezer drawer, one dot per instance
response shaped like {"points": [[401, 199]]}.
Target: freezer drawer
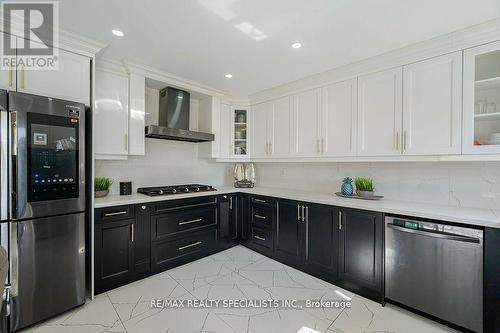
{"points": [[47, 267], [437, 269]]}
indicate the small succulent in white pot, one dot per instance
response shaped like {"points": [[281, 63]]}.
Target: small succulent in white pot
{"points": [[101, 186], [364, 187]]}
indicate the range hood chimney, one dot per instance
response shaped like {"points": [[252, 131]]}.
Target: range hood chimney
{"points": [[173, 120]]}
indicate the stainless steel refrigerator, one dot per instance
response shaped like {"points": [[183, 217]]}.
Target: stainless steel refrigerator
{"points": [[42, 205]]}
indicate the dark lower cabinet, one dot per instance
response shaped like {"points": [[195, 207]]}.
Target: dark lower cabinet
{"points": [[289, 243], [228, 220], [243, 218], [361, 241], [114, 254], [322, 241], [261, 224], [142, 243]]}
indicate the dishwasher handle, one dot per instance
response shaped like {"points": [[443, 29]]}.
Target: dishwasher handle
{"points": [[435, 234]]}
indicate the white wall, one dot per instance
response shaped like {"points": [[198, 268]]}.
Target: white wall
{"points": [[464, 184], [165, 163]]}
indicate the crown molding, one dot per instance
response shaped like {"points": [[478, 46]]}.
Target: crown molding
{"points": [[79, 44], [483, 33]]}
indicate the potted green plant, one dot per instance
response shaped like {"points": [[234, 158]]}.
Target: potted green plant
{"points": [[364, 187], [101, 186]]}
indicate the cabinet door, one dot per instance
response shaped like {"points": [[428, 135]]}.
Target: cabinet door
{"points": [[137, 119], [289, 235], [432, 106], [8, 76], [225, 131], [339, 118], [481, 109], [71, 81], [321, 248], [306, 136], [360, 252], [111, 114], [243, 218], [261, 114], [239, 130], [228, 228], [142, 240], [380, 113], [114, 259], [280, 129]]}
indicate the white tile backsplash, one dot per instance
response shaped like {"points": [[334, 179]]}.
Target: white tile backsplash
{"points": [[461, 184], [165, 163]]}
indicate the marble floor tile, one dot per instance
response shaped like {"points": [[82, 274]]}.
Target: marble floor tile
{"points": [[237, 273]]}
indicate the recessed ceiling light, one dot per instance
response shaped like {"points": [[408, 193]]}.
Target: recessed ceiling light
{"points": [[296, 45], [228, 76], [117, 33]]}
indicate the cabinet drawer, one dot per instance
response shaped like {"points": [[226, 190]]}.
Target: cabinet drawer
{"points": [[262, 215], [262, 237], [114, 213], [169, 224], [167, 254], [262, 201], [172, 205]]}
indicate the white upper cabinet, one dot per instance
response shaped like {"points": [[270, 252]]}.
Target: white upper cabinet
{"points": [[137, 115], [239, 131], [380, 113], [71, 81], [432, 106], [261, 123], [339, 118], [8, 76], [111, 114], [306, 120], [280, 128], [225, 131], [481, 107]]}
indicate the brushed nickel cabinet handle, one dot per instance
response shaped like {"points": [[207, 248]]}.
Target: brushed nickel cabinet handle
{"points": [[116, 213], [191, 221], [189, 245], [259, 238], [318, 146], [22, 76], [340, 220], [10, 77], [404, 140], [298, 212], [397, 140], [132, 233], [260, 217], [303, 213], [259, 200], [231, 203]]}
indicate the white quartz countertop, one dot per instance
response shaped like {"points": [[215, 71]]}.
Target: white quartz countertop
{"points": [[472, 216]]}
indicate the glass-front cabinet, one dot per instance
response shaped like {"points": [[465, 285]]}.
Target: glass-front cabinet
{"points": [[482, 99], [239, 121]]}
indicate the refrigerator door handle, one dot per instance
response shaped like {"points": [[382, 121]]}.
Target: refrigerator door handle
{"points": [[14, 260], [4, 165], [13, 164]]}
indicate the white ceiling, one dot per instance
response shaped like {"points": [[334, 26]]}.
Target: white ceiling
{"points": [[202, 40]]}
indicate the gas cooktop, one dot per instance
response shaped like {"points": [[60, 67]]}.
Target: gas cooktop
{"points": [[175, 189]]}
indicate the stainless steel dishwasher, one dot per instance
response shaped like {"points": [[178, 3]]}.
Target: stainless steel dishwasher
{"points": [[435, 268]]}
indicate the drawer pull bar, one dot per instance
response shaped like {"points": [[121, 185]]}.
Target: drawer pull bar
{"points": [[189, 245], [259, 238], [260, 217], [259, 200], [192, 221], [116, 213]]}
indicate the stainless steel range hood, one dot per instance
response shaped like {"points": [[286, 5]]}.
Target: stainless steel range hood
{"points": [[173, 119], [169, 133]]}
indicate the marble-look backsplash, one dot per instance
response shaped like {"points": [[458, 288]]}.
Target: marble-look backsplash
{"points": [[461, 184]]}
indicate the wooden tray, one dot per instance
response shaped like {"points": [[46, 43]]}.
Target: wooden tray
{"points": [[355, 196]]}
